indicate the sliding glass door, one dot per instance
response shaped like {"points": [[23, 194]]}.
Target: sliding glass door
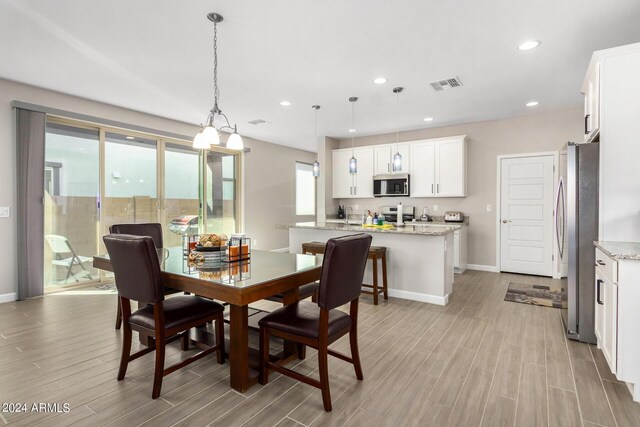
{"points": [[72, 189], [97, 176]]}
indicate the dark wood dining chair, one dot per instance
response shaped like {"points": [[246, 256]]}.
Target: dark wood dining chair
{"points": [[153, 230], [137, 270], [320, 324]]}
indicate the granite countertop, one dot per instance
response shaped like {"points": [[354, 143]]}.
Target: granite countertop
{"points": [[620, 250], [418, 229], [435, 220]]}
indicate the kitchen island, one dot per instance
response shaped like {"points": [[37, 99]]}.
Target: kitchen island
{"points": [[419, 257]]}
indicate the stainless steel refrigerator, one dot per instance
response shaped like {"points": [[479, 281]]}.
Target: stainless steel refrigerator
{"points": [[582, 227]]}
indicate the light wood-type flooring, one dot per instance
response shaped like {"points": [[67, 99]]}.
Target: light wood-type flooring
{"points": [[478, 361]]}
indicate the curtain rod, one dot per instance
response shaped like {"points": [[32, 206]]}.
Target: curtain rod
{"points": [[100, 120]]}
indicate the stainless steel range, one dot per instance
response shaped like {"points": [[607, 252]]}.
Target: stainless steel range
{"points": [[390, 213]]}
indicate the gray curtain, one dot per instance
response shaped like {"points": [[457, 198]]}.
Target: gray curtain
{"points": [[30, 135]]}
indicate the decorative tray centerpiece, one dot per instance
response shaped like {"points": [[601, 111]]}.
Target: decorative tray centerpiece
{"points": [[210, 249]]}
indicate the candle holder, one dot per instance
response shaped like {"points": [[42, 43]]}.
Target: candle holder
{"points": [[238, 248]]}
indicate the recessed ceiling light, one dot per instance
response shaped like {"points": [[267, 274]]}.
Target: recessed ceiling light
{"points": [[529, 44], [285, 103], [352, 130], [131, 137], [380, 81], [532, 103], [428, 119]]}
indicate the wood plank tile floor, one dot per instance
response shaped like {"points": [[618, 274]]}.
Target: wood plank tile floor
{"points": [[480, 361]]}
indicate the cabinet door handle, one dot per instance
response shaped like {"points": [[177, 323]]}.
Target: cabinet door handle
{"points": [[388, 167], [438, 188], [431, 188], [598, 285], [351, 191], [600, 262], [586, 120], [355, 191]]}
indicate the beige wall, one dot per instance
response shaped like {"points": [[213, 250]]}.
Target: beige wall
{"points": [[269, 183], [486, 140]]}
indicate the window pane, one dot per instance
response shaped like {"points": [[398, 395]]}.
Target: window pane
{"points": [[221, 194], [130, 166], [182, 189], [305, 189], [70, 204]]}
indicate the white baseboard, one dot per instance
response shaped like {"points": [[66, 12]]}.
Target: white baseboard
{"points": [[285, 250], [480, 267], [415, 296], [8, 297]]}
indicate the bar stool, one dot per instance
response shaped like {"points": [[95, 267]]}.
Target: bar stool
{"points": [[375, 253]]}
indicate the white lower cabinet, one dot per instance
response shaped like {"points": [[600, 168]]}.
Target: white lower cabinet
{"points": [[606, 314], [460, 250], [617, 317]]}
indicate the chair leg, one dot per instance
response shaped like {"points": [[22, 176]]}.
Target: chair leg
{"points": [[384, 275], [184, 340], [324, 377], [159, 370], [263, 376], [375, 281], [119, 315], [126, 352], [220, 338], [301, 351], [355, 354]]}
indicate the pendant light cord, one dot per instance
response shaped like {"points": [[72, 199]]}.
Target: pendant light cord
{"points": [[353, 126], [397, 115]]}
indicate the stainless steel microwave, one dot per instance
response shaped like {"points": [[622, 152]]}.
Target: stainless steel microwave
{"points": [[391, 185]]}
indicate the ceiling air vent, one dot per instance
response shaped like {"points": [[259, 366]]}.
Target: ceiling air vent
{"points": [[257, 122], [446, 83]]}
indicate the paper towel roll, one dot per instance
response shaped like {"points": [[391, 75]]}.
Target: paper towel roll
{"points": [[399, 215]]}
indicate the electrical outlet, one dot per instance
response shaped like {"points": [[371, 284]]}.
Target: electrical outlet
{"points": [[435, 208], [489, 208], [5, 212]]}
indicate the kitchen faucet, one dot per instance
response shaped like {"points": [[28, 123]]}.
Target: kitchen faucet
{"points": [[346, 217]]}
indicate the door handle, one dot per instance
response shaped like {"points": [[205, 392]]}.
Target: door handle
{"points": [[600, 262], [504, 221], [598, 299]]}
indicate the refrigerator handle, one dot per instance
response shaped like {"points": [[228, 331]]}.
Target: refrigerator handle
{"points": [[586, 121], [560, 199], [598, 284]]}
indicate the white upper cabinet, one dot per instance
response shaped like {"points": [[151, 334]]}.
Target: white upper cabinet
{"points": [[383, 158], [422, 169], [342, 180], [438, 167], [450, 168], [591, 91], [347, 185], [363, 180]]}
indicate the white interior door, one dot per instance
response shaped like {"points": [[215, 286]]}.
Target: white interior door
{"points": [[526, 215]]}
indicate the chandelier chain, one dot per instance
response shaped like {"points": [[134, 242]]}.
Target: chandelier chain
{"points": [[216, 92]]}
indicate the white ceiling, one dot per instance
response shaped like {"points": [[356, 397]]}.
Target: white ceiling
{"points": [[156, 56]]}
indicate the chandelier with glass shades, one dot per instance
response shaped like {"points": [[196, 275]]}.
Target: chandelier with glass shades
{"points": [[209, 135]]}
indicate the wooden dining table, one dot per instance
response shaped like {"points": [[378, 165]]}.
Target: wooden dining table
{"points": [[239, 284]]}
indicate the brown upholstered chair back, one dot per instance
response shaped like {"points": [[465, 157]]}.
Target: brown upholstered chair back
{"points": [[152, 229], [345, 259], [136, 267]]}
